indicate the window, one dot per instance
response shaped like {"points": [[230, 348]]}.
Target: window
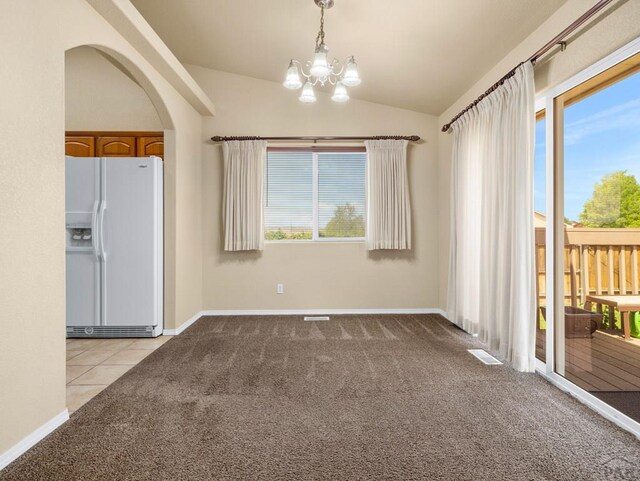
{"points": [[597, 132], [592, 236], [315, 195], [540, 224]]}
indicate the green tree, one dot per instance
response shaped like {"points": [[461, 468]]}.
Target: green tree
{"points": [[275, 235], [615, 202], [281, 235], [346, 222]]}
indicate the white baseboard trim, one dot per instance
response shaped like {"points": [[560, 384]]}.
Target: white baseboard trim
{"points": [[179, 330], [32, 439], [589, 400], [301, 312], [298, 312]]}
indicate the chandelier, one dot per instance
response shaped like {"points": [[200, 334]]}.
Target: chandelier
{"points": [[321, 71]]}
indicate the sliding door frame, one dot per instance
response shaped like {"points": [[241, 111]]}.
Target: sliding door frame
{"points": [[554, 263]]}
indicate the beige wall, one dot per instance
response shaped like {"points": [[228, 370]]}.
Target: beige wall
{"points": [[315, 275], [34, 36], [99, 96], [31, 215], [188, 229], [609, 31]]}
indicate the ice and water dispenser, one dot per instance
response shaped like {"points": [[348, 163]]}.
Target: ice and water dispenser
{"points": [[79, 231]]}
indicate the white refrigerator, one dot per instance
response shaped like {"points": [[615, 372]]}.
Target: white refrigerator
{"points": [[114, 246]]}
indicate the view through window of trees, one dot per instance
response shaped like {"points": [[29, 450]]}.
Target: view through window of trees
{"points": [[598, 148], [314, 195], [540, 224]]}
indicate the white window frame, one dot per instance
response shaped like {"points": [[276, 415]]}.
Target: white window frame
{"points": [[554, 237], [316, 197]]}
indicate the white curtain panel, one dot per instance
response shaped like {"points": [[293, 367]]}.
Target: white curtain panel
{"points": [[242, 208], [389, 212], [492, 271]]}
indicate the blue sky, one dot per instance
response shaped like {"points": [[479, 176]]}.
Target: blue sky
{"points": [[602, 135]]}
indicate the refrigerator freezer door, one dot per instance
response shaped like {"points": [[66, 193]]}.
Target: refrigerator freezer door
{"points": [[83, 270], [83, 286], [131, 242], [81, 184]]}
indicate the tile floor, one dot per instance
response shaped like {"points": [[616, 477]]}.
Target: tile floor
{"points": [[93, 364]]}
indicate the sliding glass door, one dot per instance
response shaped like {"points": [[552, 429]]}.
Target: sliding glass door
{"points": [[595, 149], [540, 225]]}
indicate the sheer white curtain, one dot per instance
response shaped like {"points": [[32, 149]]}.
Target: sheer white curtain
{"points": [[242, 209], [389, 212], [491, 273]]}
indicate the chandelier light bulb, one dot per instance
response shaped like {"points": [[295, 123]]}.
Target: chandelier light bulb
{"points": [[351, 77], [292, 80], [307, 96], [340, 93]]}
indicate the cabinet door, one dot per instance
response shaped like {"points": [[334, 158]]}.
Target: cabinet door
{"points": [[150, 146], [80, 146], [116, 147]]}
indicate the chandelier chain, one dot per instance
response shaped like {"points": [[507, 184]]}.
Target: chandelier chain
{"points": [[320, 37]]}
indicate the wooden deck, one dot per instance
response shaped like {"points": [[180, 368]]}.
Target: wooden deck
{"points": [[605, 363]]}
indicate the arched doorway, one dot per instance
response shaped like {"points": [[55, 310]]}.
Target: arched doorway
{"points": [[106, 93]]}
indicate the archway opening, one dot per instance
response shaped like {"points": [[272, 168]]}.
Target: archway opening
{"points": [[111, 110]]}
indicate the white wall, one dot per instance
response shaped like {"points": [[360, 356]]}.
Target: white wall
{"points": [[316, 275], [606, 33], [99, 96]]}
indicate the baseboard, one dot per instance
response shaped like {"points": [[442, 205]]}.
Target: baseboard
{"points": [[32, 439], [608, 412], [182, 327], [300, 312]]}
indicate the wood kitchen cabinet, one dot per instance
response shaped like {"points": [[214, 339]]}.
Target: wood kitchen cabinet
{"points": [[114, 144], [147, 146], [80, 146]]}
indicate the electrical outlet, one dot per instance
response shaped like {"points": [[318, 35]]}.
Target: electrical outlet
{"points": [[280, 288]]}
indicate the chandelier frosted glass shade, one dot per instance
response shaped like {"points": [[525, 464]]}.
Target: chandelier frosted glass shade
{"points": [[321, 70], [320, 67], [340, 93], [292, 81], [307, 96], [351, 78]]}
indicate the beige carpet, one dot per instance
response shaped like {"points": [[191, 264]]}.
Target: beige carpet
{"points": [[358, 397]]}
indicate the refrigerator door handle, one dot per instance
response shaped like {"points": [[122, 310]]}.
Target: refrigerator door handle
{"points": [[103, 208], [94, 229]]}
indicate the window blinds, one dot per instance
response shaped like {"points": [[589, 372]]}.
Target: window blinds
{"points": [[288, 195], [342, 195], [314, 196]]}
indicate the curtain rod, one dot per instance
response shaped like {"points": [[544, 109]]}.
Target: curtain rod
{"points": [[557, 40], [410, 138]]}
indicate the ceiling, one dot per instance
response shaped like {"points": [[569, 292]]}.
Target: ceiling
{"points": [[416, 54]]}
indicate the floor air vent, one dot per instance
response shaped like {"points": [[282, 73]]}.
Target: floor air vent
{"points": [[316, 318], [484, 356]]}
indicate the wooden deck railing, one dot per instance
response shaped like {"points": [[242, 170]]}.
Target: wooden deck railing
{"points": [[597, 261]]}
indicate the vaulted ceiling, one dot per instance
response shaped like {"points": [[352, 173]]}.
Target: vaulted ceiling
{"points": [[415, 54]]}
